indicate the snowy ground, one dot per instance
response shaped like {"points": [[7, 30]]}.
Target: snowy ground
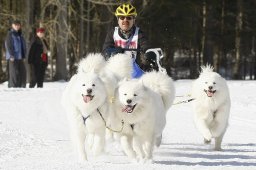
{"points": [[34, 134]]}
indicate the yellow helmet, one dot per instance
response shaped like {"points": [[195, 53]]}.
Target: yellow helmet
{"points": [[126, 10]]}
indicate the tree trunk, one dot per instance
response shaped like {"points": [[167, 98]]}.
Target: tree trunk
{"points": [[252, 64], [62, 42], [208, 42], [52, 35], [239, 24], [88, 27], [81, 45], [2, 75], [203, 34], [31, 14], [221, 62]]}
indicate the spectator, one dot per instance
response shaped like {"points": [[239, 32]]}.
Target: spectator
{"points": [[15, 55], [38, 59]]}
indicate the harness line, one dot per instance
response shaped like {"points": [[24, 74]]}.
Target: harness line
{"points": [[184, 101], [118, 131]]}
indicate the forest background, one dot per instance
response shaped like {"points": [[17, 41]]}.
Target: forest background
{"points": [[190, 32]]}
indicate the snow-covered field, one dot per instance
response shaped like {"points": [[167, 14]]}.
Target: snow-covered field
{"points": [[34, 134]]}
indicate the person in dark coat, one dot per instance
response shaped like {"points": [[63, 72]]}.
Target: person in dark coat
{"points": [[38, 59], [15, 55]]}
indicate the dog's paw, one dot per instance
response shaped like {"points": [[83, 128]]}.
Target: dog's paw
{"points": [[134, 160], [145, 161], [158, 141], [207, 141], [217, 148], [97, 150], [82, 158], [148, 161], [207, 136]]}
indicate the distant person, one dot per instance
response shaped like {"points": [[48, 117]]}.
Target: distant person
{"points": [[38, 59], [15, 55], [128, 36]]}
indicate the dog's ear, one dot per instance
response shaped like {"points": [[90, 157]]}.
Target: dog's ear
{"points": [[123, 81], [143, 85]]}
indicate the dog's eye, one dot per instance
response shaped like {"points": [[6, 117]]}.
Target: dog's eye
{"points": [[83, 84], [214, 82], [135, 95], [125, 94], [93, 85]]}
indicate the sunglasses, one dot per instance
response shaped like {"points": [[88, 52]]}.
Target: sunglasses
{"points": [[127, 18]]}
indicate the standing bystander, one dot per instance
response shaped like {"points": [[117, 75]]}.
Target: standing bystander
{"points": [[38, 59], [15, 55]]}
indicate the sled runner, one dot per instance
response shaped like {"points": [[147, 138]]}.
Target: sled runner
{"points": [[159, 55]]}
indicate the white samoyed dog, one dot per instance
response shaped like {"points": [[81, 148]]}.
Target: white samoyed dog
{"points": [[87, 100], [211, 105], [142, 105]]}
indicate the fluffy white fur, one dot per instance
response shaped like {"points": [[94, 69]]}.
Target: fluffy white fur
{"points": [[92, 62], [142, 105], [211, 105], [90, 89]]}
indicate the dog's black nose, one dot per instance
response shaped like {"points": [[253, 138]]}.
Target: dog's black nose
{"points": [[129, 101], [210, 87], [89, 91]]}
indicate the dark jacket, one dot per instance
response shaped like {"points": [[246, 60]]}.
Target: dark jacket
{"points": [[15, 45], [35, 52], [143, 45]]}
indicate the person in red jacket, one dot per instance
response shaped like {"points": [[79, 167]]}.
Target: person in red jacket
{"points": [[128, 36], [38, 59]]}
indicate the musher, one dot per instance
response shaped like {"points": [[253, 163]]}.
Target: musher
{"points": [[127, 36]]}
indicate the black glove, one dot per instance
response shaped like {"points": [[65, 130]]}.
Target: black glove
{"points": [[150, 57], [118, 50], [115, 50], [112, 51]]}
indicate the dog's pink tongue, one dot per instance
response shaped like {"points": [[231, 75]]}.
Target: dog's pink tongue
{"points": [[209, 93], [126, 109], [86, 98]]}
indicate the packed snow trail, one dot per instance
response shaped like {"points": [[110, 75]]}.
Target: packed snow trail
{"points": [[34, 134]]}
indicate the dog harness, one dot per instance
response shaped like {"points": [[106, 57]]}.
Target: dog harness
{"points": [[85, 118], [98, 111]]}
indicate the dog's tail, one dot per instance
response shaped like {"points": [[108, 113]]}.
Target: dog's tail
{"points": [[120, 65], [92, 62], [161, 84]]}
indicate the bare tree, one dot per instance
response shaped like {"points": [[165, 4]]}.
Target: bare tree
{"points": [[208, 43], [81, 47], [239, 24], [204, 10], [32, 13], [222, 53], [2, 75], [62, 39]]}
